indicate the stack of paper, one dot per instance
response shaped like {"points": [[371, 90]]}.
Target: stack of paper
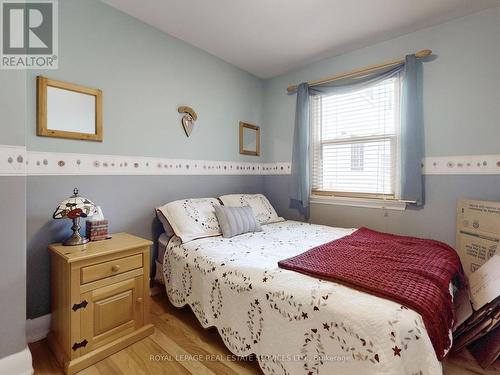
{"points": [[485, 283], [478, 328]]}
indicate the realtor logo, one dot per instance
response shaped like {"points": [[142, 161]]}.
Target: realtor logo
{"points": [[29, 34]]}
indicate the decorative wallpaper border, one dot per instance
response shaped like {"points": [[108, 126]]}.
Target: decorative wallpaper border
{"points": [[462, 165], [47, 163], [13, 160], [17, 161]]}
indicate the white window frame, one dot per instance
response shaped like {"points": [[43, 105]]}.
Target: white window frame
{"points": [[357, 199]]}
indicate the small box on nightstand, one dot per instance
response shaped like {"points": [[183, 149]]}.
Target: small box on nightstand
{"points": [[96, 230]]}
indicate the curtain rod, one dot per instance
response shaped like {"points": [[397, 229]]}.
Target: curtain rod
{"points": [[353, 73]]}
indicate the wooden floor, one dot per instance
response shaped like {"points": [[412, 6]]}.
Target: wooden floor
{"points": [[178, 335]]}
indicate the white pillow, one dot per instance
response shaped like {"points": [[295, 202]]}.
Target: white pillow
{"points": [[163, 220], [262, 209], [193, 218]]}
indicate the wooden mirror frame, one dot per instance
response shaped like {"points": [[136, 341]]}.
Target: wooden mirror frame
{"points": [[243, 126], [42, 130]]}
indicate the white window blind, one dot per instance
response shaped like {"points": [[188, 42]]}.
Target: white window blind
{"points": [[355, 141]]}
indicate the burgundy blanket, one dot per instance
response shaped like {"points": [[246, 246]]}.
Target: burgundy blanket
{"points": [[411, 271]]}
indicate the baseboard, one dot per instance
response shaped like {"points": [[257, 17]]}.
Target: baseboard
{"points": [[17, 364], [38, 328]]}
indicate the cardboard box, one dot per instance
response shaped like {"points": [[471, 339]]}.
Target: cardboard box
{"points": [[483, 216], [475, 249], [478, 232]]}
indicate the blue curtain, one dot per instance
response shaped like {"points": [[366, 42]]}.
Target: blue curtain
{"points": [[412, 134], [411, 131], [347, 85], [300, 186]]}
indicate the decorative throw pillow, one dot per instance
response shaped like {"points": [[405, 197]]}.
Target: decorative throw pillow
{"points": [[193, 218], [236, 220], [163, 220], [262, 209]]}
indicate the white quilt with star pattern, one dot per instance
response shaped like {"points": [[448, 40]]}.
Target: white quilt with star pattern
{"points": [[293, 323]]}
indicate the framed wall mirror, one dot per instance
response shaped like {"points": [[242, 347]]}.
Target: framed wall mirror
{"points": [[66, 110], [249, 139]]}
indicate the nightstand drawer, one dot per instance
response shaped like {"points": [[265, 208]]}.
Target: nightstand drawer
{"points": [[113, 267]]}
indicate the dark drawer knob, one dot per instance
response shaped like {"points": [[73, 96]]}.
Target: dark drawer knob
{"points": [[81, 344], [80, 305]]}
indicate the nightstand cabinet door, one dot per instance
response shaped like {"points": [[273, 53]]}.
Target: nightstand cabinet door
{"points": [[112, 311]]}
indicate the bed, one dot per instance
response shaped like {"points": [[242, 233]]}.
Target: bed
{"points": [[293, 323]]}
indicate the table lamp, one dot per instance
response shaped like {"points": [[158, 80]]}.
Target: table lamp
{"points": [[74, 208]]}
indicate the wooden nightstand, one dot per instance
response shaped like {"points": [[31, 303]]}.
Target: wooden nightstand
{"points": [[100, 300]]}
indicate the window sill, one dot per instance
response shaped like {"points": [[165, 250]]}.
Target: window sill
{"points": [[360, 202]]}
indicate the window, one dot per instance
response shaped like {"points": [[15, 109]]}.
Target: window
{"points": [[355, 141], [357, 156]]}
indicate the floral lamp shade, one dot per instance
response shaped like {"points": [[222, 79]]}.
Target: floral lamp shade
{"points": [[74, 208]]}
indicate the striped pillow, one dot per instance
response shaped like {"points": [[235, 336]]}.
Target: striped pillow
{"points": [[236, 220]]}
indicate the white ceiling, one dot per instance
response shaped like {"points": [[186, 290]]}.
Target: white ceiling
{"points": [[271, 37]]}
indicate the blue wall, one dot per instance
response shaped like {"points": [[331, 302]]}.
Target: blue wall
{"points": [[12, 218], [461, 117], [145, 75]]}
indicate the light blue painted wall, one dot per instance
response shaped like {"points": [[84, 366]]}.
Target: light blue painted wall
{"points": [[145, 75], [12, 218], [12, 107], [461, 117]]}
